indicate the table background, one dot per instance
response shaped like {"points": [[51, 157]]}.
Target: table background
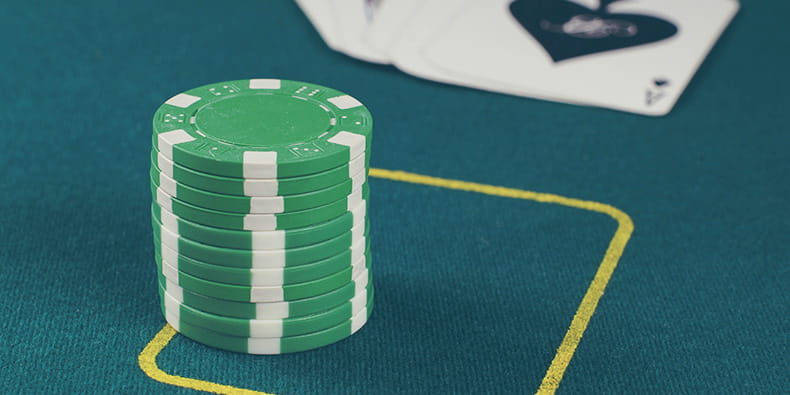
{"points": [[474, 293]]}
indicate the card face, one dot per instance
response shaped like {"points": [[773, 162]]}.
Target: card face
{"points": [[321, 15], [632, 55], [390, 20], [354, 17], [425, 21]]}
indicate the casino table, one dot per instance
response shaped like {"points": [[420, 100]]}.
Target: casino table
{"points": [[519, 246]]}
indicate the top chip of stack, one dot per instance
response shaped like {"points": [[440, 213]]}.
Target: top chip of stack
{"points": [[260, 214]]}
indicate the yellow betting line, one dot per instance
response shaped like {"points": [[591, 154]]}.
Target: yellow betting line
{"points": [[555, 372], [147, 361]]}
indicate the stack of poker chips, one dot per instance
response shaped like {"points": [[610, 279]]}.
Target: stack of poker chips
{"points": [[260, 215]]}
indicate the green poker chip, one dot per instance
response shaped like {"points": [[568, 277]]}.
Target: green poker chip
{"points": [[240, 293], [259, 217], [260, 240], [259, 259], [238, 221], [281, 327], [257, 187], [271, 310], [272, 345], [262, 128], [267, 277], [256, 204]]}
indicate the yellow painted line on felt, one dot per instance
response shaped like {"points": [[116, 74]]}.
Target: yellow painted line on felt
{"points": [[625, 226], [564, 354], [147, 362]]}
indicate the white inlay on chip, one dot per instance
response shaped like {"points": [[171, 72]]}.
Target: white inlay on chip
{"points": [[266, 328], [168, 184], [165, 141], [266, 294], [182, 100], [358, 250], [357, 164], [169, 272], [359, 320], [173, 321], [357, 233], [265, 84], [354, 199], [267, 277], [358, 213], [263, 259], [361, 281], [169, 254], [260, 222], [359, 301], [263, 345], [164, 164], [272, 310], [174, 290], [169, 238], [358, 179], [267, 205], [172, 307], [268, 240], [354, 142], [344, 102], [260, 187], [357, 267], [169, 220], [259, 164], [163, 199]]}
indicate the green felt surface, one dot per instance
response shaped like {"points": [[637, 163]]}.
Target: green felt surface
{"points": [[473, 293]]}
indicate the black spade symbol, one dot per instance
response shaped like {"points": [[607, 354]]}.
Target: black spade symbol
{"points": [[568, 30]]}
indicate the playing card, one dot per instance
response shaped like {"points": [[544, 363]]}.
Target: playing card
{"points": [[354, 18], [321, 15], [632, 55], [425, 21], [391, 18]]}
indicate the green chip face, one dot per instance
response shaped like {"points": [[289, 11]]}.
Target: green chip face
{"points": [[262, 128]]}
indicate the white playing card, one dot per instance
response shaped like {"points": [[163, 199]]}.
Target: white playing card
{"points": [[321, 15], [354, 18], [426, 21], [634, 55], [391, 18]]}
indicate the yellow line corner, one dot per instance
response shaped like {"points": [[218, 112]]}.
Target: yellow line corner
{"points": [[564, 354], [147, 362]]}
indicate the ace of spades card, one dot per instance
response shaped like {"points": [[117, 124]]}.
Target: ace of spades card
{"points": [[629, 55]]}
